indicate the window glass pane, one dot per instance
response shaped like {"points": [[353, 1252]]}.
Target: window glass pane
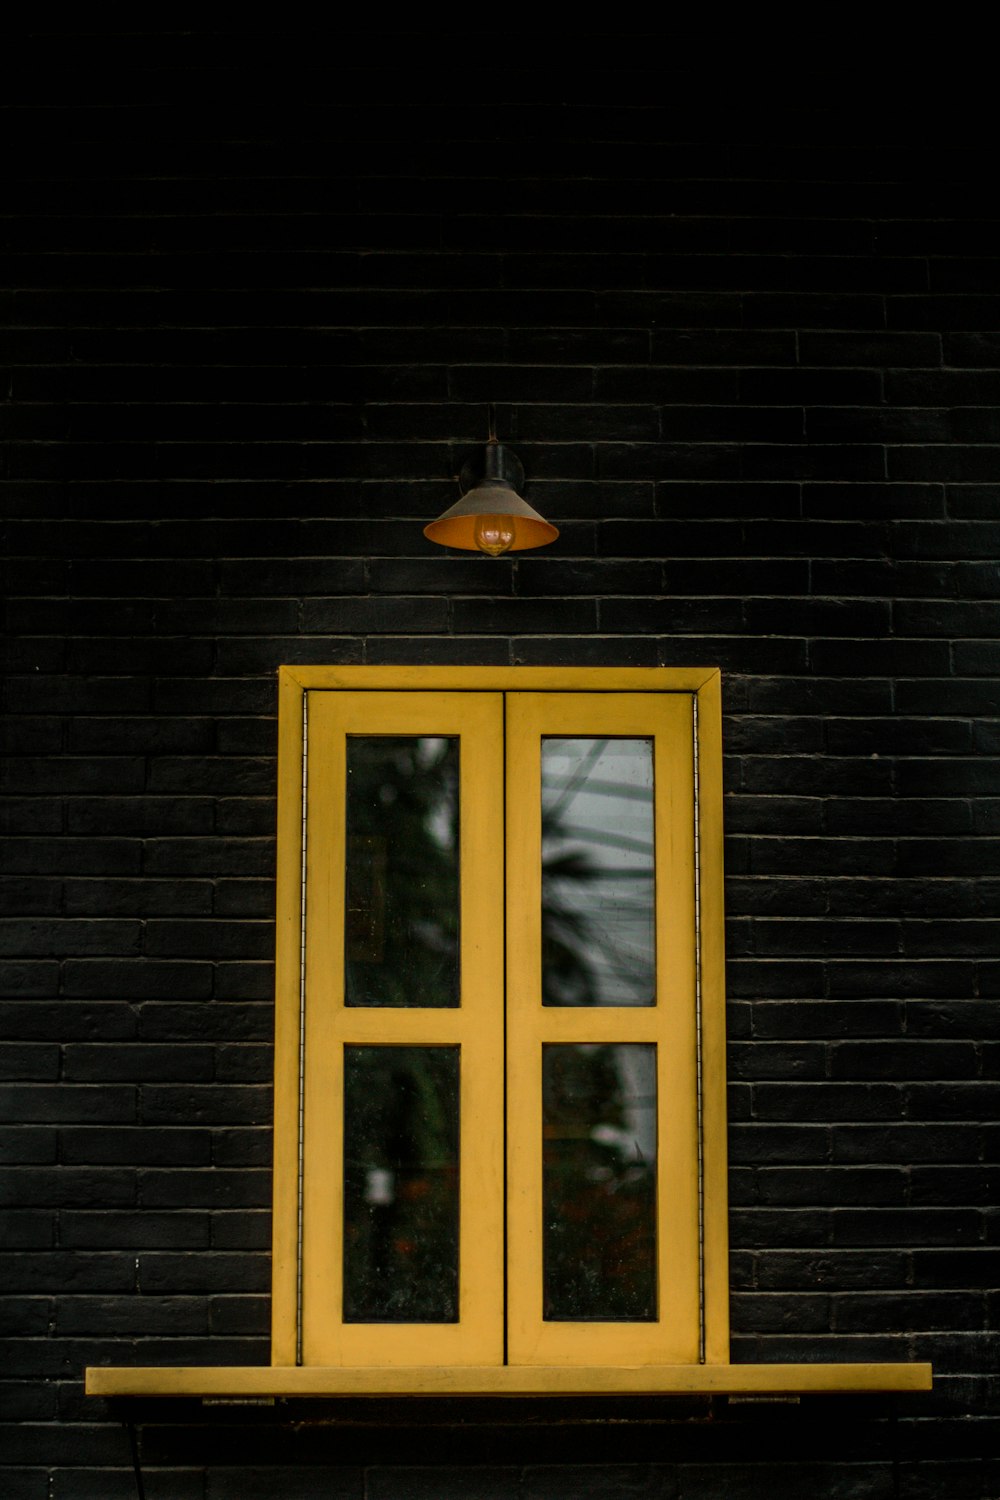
{"points": [[401, 931], [599, 1181], [401, 1108], [598, 931]]}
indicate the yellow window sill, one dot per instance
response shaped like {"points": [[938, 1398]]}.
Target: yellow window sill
{"points": [[502, 1380]]}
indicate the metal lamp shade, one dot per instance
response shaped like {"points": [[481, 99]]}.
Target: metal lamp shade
{"points": [[493, 497]]}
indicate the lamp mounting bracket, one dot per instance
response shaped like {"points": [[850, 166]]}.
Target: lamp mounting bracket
{"points": [[495, 461]]}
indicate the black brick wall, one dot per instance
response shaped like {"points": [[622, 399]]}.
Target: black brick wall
{"points": [[743, 330]]}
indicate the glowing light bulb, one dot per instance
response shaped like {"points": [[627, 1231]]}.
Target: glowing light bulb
{"points": [[494, 534]]}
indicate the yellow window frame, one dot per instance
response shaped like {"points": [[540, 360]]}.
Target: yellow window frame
{"points": [[320, 706]]}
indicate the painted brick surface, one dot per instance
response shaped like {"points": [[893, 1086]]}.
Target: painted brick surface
{"points": [[744, 339]]}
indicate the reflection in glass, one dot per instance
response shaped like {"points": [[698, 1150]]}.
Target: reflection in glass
{"points": [[598, 933], [401, 1184], [401, 937], [599, 1181]]}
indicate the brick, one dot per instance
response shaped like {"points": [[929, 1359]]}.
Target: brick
{"points": [[953, 1184], [815, 1102], [27, 815], [30, 1062], [836, 1271], [246, 817], [165, 1021], [839, 1481], [215, 857], [969, 1018], [216, 1104], [161, 1483], [156, 816], [174, 1146], [763, 1060], [89, 1063], [905, 1142], [28, 935], [194, 775], [147, 736], [903, 1059], [176, 1274], [317, 1482], [27, 1484], [788, 1313], [204, 1189], [904, 1227], [137, 979], [78, 695], [892, 502], [831, 1185], [955, 1101], [241, 1147], [754, 1143], [57, 775], [29, 1144], [215, 696], [506, 616], [239, 1315], [69, 1019], [246, 737], [208, 939], [61, 1272], [827, 1018], [31, 897], [131, 1316], [136, 898], [972, 1266], [72, 1103], [245, 981], [243, 1229]]}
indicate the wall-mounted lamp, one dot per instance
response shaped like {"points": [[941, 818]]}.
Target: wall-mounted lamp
{"points": [[491, 517]]}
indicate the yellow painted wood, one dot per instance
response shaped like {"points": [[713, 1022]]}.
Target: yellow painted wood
{"points": [[476, 1026], [284, 1236], [670, 1024], [713, 1024], [503, 679], [505, 1380]]}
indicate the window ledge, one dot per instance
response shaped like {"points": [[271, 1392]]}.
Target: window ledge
{"points": [[502, 1380]]}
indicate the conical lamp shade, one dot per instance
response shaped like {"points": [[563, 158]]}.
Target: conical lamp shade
{"points": [[493, 498]]}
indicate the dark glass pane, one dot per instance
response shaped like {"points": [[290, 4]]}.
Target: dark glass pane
{"points": [[598, 930], [599, 1181], [401, 1184], [401, 931]]}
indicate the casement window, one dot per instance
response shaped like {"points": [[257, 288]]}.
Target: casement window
{"points": [[499, 1043], [500, 967]]}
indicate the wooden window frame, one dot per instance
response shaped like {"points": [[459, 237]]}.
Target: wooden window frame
{"points": [[386, 1363], [695, 733]]}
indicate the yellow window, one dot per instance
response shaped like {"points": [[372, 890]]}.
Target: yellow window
{"points": [[499, 979], [500, 1128]]}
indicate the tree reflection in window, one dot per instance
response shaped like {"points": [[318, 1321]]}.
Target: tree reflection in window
{"points": [[401, 1184], [401, 941], [599, 1181], [598, 931]]}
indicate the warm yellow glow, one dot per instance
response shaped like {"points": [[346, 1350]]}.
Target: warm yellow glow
{"points": [[494, 534]]}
